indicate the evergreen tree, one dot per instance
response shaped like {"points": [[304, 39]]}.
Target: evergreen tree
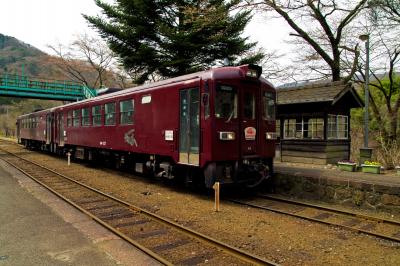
{"points": [[169, 38]]}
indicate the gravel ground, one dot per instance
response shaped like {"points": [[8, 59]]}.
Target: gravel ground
{"points": [[285, 240]]}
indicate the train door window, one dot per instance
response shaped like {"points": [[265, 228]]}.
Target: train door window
{"points": [[189, 129], [69, 118], [109, 110], [269, 106], [85, 117], [75, 116], [96, 115], [226, 102], [126, 109], [249, 105]]}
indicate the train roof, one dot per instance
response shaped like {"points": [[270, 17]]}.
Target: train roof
{"points": [[229, 72]]}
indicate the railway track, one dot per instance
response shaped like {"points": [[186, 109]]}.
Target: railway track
{"points": [[360, 223], [164, 240]]}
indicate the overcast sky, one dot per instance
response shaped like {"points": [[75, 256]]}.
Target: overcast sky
{"points": [[44, 22]]}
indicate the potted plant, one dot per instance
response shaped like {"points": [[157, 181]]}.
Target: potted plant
{"points": [[371, 167], [347, 165], [398, 169]]}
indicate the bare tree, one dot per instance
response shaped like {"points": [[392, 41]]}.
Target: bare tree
{"points": [[387, 11], [320, 25], [89, 60], [384, 65]]}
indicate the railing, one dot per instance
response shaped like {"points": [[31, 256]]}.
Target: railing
{"points": [[40, 86]]}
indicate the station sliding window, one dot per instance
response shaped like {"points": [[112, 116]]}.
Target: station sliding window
{"points": [[226, 102], [86, 117], [338, 126], [76, 116], [109, 111], [278, 128], [126, 109], [304, 128], [96, 115]]}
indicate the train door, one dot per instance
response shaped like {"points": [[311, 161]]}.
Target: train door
{"points": [[248, 123], [189, 128], [60, 127], [48, 128], [18, 130]]}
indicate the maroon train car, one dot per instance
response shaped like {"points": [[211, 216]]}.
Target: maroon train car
{"points": [[216, 125]]}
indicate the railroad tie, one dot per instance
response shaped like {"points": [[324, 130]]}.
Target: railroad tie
{"points": [[168, 246], [195, 259], [352, 222], [151, 233], [323, 216], [120, 225]]}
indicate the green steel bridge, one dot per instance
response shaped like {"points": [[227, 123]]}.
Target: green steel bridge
{"points": [[26, 87]]}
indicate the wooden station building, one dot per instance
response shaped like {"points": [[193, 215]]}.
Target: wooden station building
{"points": [[313, 122]]}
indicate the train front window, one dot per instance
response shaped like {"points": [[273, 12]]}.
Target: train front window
{"points": [[269, 106], [249, 106], [226, 102]]}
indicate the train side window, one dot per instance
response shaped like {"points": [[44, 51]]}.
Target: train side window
{"points": [[226, 102], [126, 109], [75, 116], [85, 117], [96, 115], [109, 111], [69, 119]]}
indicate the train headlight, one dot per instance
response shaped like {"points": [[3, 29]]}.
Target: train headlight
{"points": [[270, 135], [224, 135], [254, 71]]}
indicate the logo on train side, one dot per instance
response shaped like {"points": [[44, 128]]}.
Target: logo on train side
{"points": [[129, 137], [250, 133]]}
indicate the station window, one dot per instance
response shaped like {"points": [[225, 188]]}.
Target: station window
{"points": [[69, 118], [75, 116], [269, 106], [226, 102], [126, 109], [278, 128], [96, 115], [109, 111], [337, 126], [304, 128]]}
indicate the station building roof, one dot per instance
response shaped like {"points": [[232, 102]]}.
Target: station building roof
{"points": [[329, 92]]}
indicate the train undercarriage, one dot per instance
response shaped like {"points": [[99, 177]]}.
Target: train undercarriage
{"points": [[251, 172]]}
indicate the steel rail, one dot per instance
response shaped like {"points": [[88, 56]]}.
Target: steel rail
{"points": [[243, 255], [325, 208], [304, 217], [106, 225]]}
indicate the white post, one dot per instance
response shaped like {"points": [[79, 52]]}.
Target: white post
{"points": [[69, 158], [216, 203]]}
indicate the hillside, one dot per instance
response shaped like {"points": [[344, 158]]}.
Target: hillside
{"points": [[15, 56]]}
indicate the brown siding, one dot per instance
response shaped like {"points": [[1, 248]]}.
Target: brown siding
{"points": [[316, 152]]}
